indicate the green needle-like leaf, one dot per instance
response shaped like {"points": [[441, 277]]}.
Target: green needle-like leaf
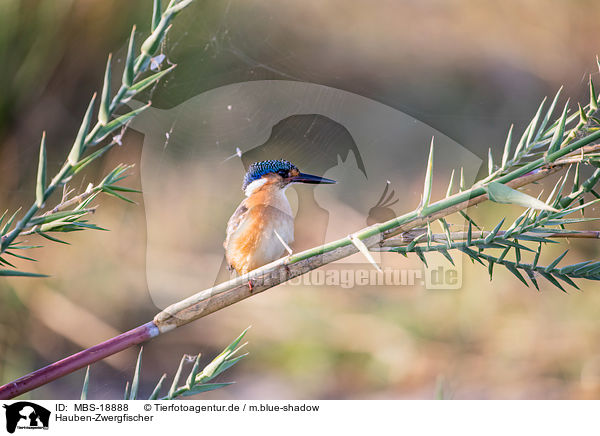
{"points": [[593, 96], [231, 348], [79, 145], [204, 388], [468, 218], [156, 14], [446, 229], [447, 255], [469, 234], [531, 275], [494, 232], [559, 131], [500, 193], [109, 191], [450, 185], [9, 223], [415, 241], [51, 238], [421, 256], [86, 382], [428, 180], [118, 122], [191, 380], [176, 8], [522, 142], [537, 256], [20, 257], [515, 224], [18, 246], [216, 367], [567, 280], [362, 248], [549, 200], [552, 280], [551, 266], [585, 269], [576, 179], [40, 186], [3, 216], [515, 271], [429, 234], [503, 254], [546, 119], [173, 387], [507, 145], [129, 71], [124, 189], [534, 239], [14, 273], [228, 363], [135, 383], [582, 115], [570, 268], [6, 262], [151, 44], [58, 216], [104, 111], [472, 254], [561, 188], [534, 121], [157, 388], [505, 242], [91, 157], [145, 83]]}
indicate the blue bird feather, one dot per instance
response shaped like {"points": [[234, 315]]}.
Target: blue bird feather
{"points": [[259, 169]]}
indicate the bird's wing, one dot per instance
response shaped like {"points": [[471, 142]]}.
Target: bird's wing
{"points": [[235, 221]]}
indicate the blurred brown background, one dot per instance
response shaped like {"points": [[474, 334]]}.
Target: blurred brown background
{"points": [[468, 69]]}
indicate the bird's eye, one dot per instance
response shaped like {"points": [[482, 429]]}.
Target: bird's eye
{"points": [[282, 173]]}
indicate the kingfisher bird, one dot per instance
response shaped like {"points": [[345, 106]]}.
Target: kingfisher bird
{"points": [[264, 216]]}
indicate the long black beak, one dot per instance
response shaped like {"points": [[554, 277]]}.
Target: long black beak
{"points": [[309, 178]]}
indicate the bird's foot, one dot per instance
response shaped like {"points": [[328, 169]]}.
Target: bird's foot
{"points": [[288, 272]]}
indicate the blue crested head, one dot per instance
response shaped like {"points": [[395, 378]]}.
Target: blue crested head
{"points": [[259, 169]]}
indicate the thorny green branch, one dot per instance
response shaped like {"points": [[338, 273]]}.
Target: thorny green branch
{"points": [[89, 136]]}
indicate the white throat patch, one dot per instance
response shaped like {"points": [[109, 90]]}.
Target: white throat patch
{"points": [[253, 186]]}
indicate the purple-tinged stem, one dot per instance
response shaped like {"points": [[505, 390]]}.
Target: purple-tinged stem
{"points": [[79, 360]]}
